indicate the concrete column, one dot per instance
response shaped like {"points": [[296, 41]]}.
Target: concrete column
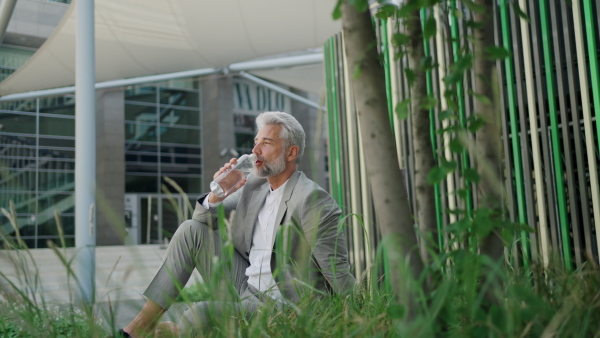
{"points": [[217, 124], [110, 167], [313, 161]]}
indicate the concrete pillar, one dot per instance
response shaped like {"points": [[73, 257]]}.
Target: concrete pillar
{"points": [[313, 161], [110, 167], [217, 124]]}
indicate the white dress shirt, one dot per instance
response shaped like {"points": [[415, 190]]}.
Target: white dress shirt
{"points": [[259, 272]]}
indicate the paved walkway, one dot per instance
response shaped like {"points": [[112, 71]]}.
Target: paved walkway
{"points": [[122, 275]]}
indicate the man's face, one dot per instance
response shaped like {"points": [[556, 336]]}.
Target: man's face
{"points": [[268, 147]]}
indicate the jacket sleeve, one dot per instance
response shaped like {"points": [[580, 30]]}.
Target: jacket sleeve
{"points": [[324, 229], [209, 216]]}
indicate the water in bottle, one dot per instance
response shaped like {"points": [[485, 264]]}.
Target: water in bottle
{"points": [[224, 183]]}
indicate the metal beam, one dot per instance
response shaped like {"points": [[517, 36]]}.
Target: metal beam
{"points": [[282, 91]]}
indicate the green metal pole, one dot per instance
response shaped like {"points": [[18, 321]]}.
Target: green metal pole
{"points": [[436, 187], [336, 132], [558, 170], [332, 173], [461, 106], [386, 68], [514, 130]]}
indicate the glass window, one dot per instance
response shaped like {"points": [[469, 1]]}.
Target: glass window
{"points": [[167, 169], [142, 167], [179, 160], [191, 150], [244, 140], [17, 123], [141, 94], [21, 106], [174, 97], [137, 131], [17, 179], [140, 113], [24, 201], [59, 105], [179, 135], [174, 116], [190, 184], [56, 181], [141, 183], [57, 126], [48, 230], [47, 201], [54, 142]]}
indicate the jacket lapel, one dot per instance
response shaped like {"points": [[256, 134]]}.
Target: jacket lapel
{"points": [[287, 195], [256, 202]]}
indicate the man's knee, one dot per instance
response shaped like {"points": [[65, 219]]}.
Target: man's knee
{"points": [[190, 229]]}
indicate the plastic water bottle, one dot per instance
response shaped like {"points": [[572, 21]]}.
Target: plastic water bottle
{"points": [[224, 183]]}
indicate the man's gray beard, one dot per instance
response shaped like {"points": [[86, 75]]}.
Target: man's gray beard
{"points": [[272, 169]]}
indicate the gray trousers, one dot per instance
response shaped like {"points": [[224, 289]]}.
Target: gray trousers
{"points": [[195, 245]]}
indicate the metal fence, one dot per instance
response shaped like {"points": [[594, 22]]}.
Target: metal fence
{"points": [[549, 87]]}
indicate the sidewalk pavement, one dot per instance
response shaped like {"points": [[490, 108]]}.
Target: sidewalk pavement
{"points": [[122, 275]]}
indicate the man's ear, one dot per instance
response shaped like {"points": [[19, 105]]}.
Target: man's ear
{"points": [[292, 153]]}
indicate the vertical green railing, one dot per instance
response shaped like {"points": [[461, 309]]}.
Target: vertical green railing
{"points": [[335, 172], [436, 187], [461, 104], [556, 151], [386, 67], [514, 130]]}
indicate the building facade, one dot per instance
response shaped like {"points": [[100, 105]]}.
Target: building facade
{"points": [[157, 146]]}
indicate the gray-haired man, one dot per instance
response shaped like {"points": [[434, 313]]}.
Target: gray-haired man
{"points": [[276, 197]]}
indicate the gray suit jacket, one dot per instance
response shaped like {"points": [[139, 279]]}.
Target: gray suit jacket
{"points": [[310, 249]]}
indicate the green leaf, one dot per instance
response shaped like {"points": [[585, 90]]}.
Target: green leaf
{"points": [[456, 146], [473, 6], [386, 11], [402, 109], [481, 98], [449, 166], [473, 24], [429, 102], [524, 227], [430, 28], [427, 63], [396, 311], [337, 10], [497, 53], [408, 8], [400, 39], [520, 12], [436, 175], [474, 123], [410, 76], [463, 193], [447, 115], [361, 5], [471, 174], [357, 71]]}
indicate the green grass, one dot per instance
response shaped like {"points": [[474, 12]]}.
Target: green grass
{"points": [[537, 302]]}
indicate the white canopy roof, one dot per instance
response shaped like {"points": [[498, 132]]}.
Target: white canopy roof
{"points": [[146, 37]]}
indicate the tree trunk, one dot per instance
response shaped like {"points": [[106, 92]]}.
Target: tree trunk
{"points": [[389, 192], [488, 137], [423, 149]]}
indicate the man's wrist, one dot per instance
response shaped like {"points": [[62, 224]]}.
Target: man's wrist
{"points": [[212, 198]]}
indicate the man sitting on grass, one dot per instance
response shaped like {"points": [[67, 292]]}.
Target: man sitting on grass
{"points": [[276, 200]]}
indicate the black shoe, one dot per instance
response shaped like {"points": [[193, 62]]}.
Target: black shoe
{"points": [[121, 334]]}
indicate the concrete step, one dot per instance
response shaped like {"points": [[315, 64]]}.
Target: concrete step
{"points": [[122, 272]]}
